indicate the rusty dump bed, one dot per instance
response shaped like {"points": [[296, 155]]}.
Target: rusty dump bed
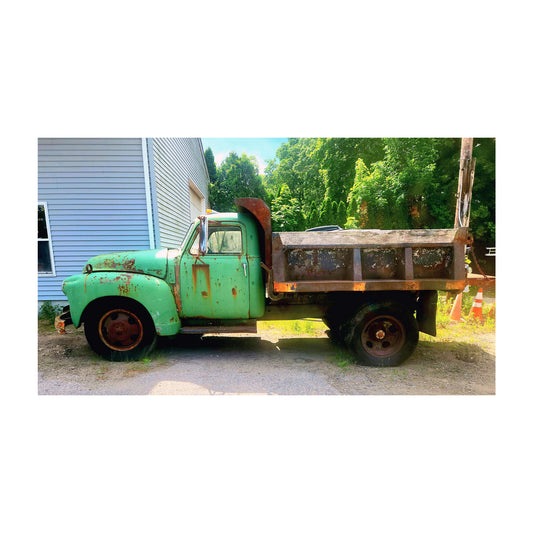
{"points": [[366, 260]]}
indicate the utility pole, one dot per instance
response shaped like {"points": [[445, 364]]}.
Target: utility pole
{"points": [[467, 166]]}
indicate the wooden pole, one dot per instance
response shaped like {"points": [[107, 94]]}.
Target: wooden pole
{"points": [[467, 167]]}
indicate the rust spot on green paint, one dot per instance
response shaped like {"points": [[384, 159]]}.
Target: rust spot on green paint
{"points": [[234, 292], [204, 294], [205, 269], [123, 290]]}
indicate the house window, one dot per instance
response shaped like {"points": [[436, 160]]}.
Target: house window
{"points": [[45, 260]]}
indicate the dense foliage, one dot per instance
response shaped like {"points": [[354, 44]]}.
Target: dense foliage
{"points": [[381, 183], [236, 177]]}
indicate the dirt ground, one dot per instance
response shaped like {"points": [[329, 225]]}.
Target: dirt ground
{"points": [[271, 362]]}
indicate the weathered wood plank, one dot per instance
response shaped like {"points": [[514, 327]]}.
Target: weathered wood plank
{"points": [[351, 238]]}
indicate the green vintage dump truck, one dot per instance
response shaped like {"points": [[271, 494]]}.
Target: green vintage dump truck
{"points": [[374, 289]]}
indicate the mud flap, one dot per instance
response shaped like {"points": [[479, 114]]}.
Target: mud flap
{"points": [[426, 312]]}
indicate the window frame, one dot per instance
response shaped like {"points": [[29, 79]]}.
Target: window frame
{"points": [[222, 226], [49, 239]]}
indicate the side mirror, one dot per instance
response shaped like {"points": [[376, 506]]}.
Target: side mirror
{"points": [[203, 235]]}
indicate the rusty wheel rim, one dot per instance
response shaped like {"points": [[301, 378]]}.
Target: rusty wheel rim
{"points": [[383, 336], [120, 330]]}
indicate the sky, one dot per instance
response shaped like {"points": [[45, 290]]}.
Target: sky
{"points": [[263, 148]]}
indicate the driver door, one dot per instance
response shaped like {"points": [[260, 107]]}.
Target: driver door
{"points": [[216, 284]]}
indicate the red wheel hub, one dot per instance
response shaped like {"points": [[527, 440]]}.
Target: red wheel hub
{"points": [[383, 336], [120, 329]]}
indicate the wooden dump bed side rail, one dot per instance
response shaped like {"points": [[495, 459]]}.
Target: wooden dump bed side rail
{"points": [[369, 260]]}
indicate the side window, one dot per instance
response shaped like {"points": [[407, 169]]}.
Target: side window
{"points": [[224, 240], [45, 260], [221, 240]]}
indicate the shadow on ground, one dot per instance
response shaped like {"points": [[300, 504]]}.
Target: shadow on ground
{"points": [[247, 348]]}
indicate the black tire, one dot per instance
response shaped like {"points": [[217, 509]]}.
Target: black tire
{"points": [[382, 334], [120, 330]]}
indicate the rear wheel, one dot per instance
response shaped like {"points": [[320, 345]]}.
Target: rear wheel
{"points": [[382, 334], [120, 330]]}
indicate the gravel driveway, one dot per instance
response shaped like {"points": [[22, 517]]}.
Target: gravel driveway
{"points": [[262, 364]]}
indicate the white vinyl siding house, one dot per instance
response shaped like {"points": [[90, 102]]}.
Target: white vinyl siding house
{"points": [[109, 195], [181, 186]]}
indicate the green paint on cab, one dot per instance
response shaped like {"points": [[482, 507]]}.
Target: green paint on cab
{"points": [[226, 282], [151, 262]]}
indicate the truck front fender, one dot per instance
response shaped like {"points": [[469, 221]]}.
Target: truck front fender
{"points": [[151, 292]]}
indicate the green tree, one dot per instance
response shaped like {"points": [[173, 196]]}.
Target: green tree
{"points": [[297, 166], [382, 183], [337, 158], [286, 212], [312, 219], [393, 192], [440, 194], [211, 165], [369, 199], [236, 177], [341, 214], [327, 213], [483, 210]]}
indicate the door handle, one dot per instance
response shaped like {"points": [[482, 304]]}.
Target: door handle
{"points": [[245, 267]]}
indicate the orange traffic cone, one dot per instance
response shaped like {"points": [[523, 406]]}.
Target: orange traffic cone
{"points": [[456, 309], [477, 306]]}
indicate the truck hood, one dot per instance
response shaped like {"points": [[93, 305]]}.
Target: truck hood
{"points": [[150, 262]]}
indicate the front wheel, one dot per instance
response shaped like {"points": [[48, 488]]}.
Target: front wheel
{"points": [[383, 334], [120, 330]]}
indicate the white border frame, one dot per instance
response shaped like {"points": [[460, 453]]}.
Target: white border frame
{"points": [[50, 247]]}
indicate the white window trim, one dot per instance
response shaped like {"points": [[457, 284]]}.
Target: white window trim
{"points": [[50, 248]]}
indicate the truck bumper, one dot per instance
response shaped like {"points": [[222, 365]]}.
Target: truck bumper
{"points": [[63, 320]]}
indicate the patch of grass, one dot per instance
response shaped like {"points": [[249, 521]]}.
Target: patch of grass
{"points": [[102, 370], [45, 326], [48, 312], [343, 359], [145, 364], [309, 327], [469, 327], [137, 367]]}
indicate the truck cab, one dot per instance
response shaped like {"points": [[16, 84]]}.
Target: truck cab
{"points": [[219, 273], [214, 282]]}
